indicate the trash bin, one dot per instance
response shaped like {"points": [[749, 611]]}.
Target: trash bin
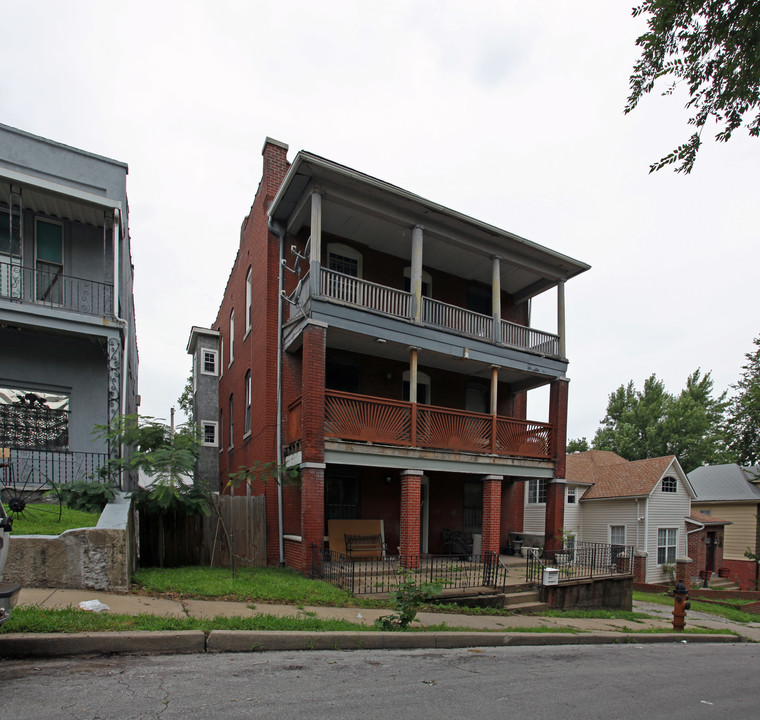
{"points": [[551, 576]]}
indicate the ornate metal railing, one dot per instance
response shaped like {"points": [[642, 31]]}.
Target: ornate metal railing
{"points": [[33, 426], [583, 561], [456, 318], [363, 576], [50, 288], [394, 422], [32, 468]]}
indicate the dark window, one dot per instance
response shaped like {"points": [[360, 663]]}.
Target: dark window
{"points": [[473, 507], [479, 300], [343, 376], [341, 497], [669, 485], [248, 402], [536, 491], [232, 421]]}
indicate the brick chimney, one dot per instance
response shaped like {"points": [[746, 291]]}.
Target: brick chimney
{"points": [[275, 167]]}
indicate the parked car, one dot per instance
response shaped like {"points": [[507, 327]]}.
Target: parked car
{"points": [[9, 592]]}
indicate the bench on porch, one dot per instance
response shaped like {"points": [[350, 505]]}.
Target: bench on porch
{"points": [[366, 546]]}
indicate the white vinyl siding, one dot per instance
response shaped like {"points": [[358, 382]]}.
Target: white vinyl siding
{"points": [[599, 515], [666, 510]]}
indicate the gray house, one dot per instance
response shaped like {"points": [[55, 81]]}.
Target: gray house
{"points": [[68, 352]]}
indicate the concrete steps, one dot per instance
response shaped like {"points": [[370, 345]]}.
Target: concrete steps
{"points": [[524, 602], [718, 583]]}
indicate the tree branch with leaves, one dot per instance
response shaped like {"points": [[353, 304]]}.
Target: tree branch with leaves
{"points": [[711, 46]]}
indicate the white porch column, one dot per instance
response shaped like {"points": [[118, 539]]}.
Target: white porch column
{"points": [[561, 317], [315, 247], [496, 297], [415, 284], [413, 374], [494, 388]]}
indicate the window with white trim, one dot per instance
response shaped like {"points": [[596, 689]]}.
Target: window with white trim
{"points": [[536, 491], [423, 387], [571, 495], [344, 259], [667, 542], [232, 421], [248, 299], [617, 534], [210, 433], [209, 362], [669, 484], [248, 402], [232, 335]]}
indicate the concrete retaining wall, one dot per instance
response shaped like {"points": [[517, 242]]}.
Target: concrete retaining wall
{"points": [[99, 558], [612, 593]]}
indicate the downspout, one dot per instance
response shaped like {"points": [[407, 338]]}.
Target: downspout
{"points": [[278, 230]]}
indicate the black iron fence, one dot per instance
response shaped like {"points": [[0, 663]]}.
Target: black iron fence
{"points": [[33, 468], [585, 560], [365, 576], [33, 426]]}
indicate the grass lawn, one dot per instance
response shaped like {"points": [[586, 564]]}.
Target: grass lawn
{"points": [[263, 585], [42, 519], [729, 613]]}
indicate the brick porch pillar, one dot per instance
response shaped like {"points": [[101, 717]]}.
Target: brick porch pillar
{"points": [[312, 441], [555, 489], [491, 513], [639, 566], [683, 571], [411, 497], [312, 511]]}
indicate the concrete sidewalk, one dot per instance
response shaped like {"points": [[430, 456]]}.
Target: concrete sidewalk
{"points": [[483, 630]]}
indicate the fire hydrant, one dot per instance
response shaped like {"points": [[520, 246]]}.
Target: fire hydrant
{"points": [[680, 605]]}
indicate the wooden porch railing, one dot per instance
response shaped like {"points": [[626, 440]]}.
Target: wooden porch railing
{"points": [[368, 295], [362, 418], [464, 321]]}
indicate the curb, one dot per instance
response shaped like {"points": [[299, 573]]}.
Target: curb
{"points": [[56, 645]]}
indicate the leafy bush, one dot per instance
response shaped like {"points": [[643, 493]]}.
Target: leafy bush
{"points": [[87, 496], [406, 601]]}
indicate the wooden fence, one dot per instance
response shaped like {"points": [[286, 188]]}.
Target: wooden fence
{"points": [[235, 529]]}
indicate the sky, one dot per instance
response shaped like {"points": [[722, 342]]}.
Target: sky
{"points": [[507, 111]]}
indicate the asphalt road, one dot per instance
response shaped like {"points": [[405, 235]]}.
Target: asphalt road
{"points": [[531, 683]]}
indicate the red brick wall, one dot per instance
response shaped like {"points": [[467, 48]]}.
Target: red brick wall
{"points": [[446, 502], [491, 515], [558, 392], [741, 572], [697, 551], [312, 512], [257, 352], [513, 505], [410, 519]]}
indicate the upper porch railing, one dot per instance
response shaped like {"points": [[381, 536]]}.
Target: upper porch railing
{"points": [[397, 303], [363, 418], [36, 286]]}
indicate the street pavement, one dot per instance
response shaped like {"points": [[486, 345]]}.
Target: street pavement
{"points": [[485, 630]]}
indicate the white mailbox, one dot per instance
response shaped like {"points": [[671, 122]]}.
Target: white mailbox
{"points": [[551, 576]]}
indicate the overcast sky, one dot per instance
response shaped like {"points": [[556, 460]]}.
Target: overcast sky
{"points": [[508, 111]]}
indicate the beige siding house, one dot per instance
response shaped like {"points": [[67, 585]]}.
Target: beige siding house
{"points": [[644, 503]]}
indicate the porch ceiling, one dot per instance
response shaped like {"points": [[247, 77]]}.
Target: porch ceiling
{"points": [[381, 216]]}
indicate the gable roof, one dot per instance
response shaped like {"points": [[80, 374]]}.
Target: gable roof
{"points": [[698, 518], [616, 477], [724, 483]]}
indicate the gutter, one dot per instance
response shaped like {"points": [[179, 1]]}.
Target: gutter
{"points": [[279, 230], [124, 326]]}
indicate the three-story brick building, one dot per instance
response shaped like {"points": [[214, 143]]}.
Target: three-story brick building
{"points": [[381, 343]]}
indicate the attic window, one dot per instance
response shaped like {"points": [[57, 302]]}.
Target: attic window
{"points": [[669, 485]]}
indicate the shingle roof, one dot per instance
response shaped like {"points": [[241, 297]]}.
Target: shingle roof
{"points": [[703, 519], [724, 483], [614, 476]]}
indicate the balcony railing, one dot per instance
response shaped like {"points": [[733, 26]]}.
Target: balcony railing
{"points": [[397, 303], [362, 418], [33, 468], [37, 286]]}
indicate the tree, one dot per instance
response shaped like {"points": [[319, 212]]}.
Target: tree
{"points": [[185, 400], [652, 422], [577, 445], [166, 455], [743, 425], [714, 47]]}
